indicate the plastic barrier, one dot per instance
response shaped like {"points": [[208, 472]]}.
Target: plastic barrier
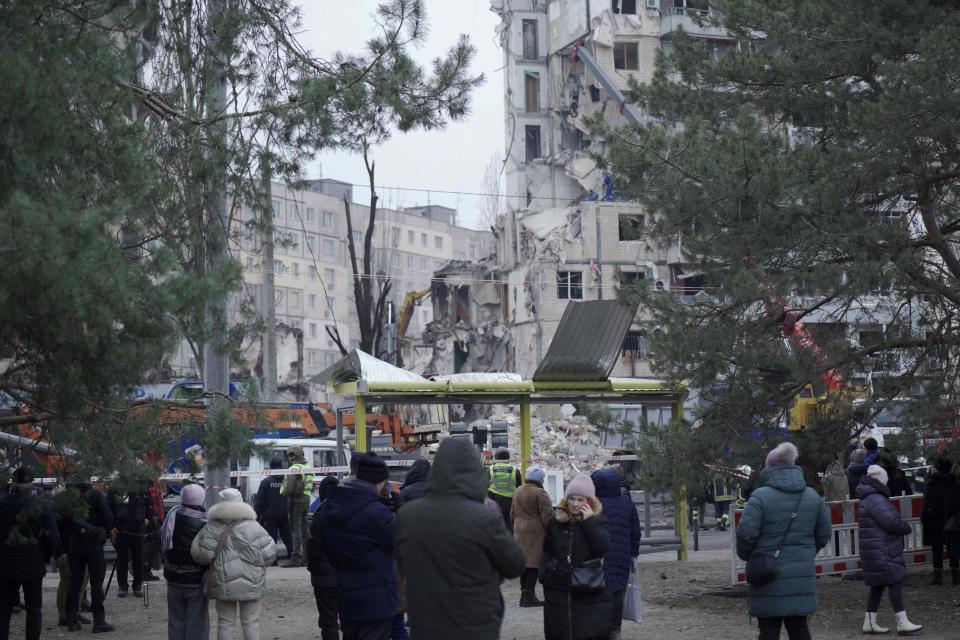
{"points": [[842, 553]]}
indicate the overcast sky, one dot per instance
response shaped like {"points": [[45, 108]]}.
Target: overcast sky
{"points": [[450, 160]]}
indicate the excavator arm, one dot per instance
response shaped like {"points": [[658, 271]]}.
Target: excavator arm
{"points": [[406, 309]]}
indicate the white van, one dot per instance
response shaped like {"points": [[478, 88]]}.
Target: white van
{"points": [[318, 453]]}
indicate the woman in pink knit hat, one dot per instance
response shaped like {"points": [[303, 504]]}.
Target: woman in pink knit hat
{"points": [[576, 539]]}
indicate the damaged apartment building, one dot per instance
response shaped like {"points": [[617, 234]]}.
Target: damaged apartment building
{"points": [[566, 235]]}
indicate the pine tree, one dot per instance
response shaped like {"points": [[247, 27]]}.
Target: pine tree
{"points": [[811, 167]]}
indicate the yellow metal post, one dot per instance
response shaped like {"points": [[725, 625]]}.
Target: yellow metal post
{"points": [[680, 500], [360, 422], [524, 437]]}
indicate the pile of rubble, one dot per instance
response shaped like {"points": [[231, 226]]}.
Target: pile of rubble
{"points": [[569, 445]]}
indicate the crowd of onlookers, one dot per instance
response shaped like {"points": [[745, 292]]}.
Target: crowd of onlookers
{"points": [[785, 523], [428, 557]]}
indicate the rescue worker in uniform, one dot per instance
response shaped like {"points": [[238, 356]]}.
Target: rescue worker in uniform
{"points": [[298, 488], [722, 489], [504, 479]]}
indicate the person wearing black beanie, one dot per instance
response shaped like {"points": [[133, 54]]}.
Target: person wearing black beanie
{"points": [[357, 532]]}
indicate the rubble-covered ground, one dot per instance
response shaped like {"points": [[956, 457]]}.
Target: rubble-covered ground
{"points": [[572, 444], [682, 601]]}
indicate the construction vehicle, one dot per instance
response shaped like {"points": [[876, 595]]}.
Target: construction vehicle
{"points": [[829, 397], [412, 299]]}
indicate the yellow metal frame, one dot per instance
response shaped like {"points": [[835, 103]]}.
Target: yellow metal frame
{"points": [[527, 393]]}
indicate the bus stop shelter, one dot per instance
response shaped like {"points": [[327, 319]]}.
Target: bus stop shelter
{"points": [[575, 370]]}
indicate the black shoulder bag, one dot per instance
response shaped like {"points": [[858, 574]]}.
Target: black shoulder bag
{"points": [[763, 567], [587, 577]]}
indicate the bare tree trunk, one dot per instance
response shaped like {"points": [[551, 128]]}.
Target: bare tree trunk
{"points": [[370, 306]]}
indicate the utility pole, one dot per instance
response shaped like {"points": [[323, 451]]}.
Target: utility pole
{"points": [[269, 337], [216, 359]]}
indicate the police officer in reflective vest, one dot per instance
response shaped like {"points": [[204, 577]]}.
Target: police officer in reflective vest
{"points": [[299, 489], [504, 480]]}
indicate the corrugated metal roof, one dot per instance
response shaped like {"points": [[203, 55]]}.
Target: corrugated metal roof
{"points": [[358, 365], [587, 342]]}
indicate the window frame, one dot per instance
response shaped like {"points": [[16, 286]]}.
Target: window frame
{"points": [[626, 48], [569, 283], [531, 52]]}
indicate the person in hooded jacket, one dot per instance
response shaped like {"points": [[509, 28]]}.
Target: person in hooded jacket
{"points": [[941, 501], [238, 577], [453, 551], [856, 469], [783, 493], [323, 577], [24, 558], [272, 508], [358, 538], [577, 534], [415, 483], [623, 523], [881, 550], [531, 513], [187, 606]]}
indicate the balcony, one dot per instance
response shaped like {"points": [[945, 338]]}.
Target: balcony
{"points": [[685, 19]]}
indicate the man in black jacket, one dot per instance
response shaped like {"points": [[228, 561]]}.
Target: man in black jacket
{"points": [[271, 508], [132, 512], [323, 577], [87, 536], [28, 537], [453, 551]]}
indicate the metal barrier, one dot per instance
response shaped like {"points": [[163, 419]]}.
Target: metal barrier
{"points": [[660, 544], [842, 553]]}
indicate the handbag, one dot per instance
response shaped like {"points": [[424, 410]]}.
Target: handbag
{"points": [[763, 567], [587, 577], [207, 579], [631, 598]]}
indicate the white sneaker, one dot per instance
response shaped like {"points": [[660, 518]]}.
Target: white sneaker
{"points": [[870, 626], [904, 626]]}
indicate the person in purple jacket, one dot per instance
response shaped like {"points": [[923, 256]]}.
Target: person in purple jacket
{"points": [[881, 551]]}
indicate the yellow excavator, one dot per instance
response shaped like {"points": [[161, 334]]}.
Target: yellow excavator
{"points": [[413, 298]]}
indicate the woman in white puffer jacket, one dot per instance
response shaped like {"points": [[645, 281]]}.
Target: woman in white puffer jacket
{"points": [[238, 573]]}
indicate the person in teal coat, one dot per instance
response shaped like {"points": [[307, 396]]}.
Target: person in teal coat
{"points": [[792, 595]]}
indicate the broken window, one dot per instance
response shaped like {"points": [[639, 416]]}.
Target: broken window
{"points": [[625, 6], [532, 138], [626, 56], [531, 91], [530, 48], [631, 227], [569, 285]]}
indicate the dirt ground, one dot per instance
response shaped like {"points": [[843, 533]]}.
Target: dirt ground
{"points": [[688, 600]]}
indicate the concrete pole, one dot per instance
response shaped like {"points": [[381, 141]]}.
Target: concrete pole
{"points": [[269, 380], [216, 360]]}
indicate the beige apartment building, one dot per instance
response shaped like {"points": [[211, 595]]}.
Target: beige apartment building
{"points": [[313, 281]]}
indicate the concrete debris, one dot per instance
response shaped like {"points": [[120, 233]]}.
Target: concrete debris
{"points": [[585, 171], [571, 446]]}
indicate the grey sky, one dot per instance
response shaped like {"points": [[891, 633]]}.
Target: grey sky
{"points": [[451, 160]]}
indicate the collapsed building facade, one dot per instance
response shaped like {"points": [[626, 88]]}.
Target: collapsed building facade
{"points": [[566, 235]]}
